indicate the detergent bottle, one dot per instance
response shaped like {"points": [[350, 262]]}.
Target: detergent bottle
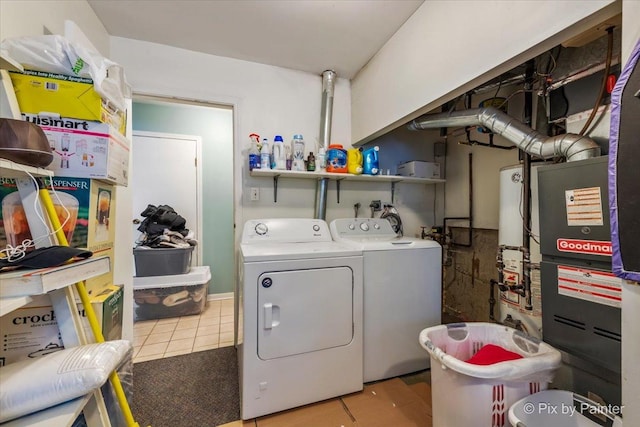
{"points": [[297, 146], [336, 159], [354, 161], [265, 155], [279, 155], [371, 165]]}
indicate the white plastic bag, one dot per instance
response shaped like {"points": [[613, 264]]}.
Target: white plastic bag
{"points": [[34, 384], [56, 54]]}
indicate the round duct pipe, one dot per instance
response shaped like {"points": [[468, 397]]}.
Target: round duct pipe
{"points": [[328, 87]]}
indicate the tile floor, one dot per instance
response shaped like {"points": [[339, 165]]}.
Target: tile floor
{"points": [[213, 328]]}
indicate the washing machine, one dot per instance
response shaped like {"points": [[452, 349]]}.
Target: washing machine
{"points": [[402, 294], [299, 326]]}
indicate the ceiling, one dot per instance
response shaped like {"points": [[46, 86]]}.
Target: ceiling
{"points": [[306, 35]]}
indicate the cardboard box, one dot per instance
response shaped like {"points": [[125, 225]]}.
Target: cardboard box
{"points": [[66, 96], [90, 203], [84, 149], [384, 404], [32, 331], [418, 169]]}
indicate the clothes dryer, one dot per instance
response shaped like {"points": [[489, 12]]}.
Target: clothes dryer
{"points": [[299, 325], [402, 294]]}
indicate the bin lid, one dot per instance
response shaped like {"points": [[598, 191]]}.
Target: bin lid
{"points": [[196, 276], [561, 408]]}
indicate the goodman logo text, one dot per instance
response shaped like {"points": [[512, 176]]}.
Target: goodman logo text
{"points": [[592, 247]]}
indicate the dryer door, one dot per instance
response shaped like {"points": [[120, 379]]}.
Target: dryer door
{"points": [[301, 311]]}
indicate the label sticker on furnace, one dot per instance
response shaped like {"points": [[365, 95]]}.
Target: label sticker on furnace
{"points": [[584, 206]]}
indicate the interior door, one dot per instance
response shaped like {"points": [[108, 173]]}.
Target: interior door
{"points": [[165, 172]]}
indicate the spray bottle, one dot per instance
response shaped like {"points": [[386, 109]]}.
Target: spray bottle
{"points": [[254, 153]]}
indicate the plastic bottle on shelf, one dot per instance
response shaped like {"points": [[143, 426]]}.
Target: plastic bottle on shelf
{"points": [[321, 160], [289, 157], [298, 153], [254, 153], [279, 155], [311, 162], [265, 155]]}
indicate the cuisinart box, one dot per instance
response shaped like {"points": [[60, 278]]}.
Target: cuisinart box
{"points": [[85, 149], [67, 96], [418, 169]]}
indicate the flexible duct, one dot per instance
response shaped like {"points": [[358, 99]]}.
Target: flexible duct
{"points": [[571, 146], [328, 85]]}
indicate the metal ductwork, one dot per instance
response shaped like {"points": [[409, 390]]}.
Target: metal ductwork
{"points": [[328, 86], [571, 146]]}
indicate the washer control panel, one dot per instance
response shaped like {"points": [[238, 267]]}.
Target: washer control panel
{"points": [[362, 228], [286, 230]]}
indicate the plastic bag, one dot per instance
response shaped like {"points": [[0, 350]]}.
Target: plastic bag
{"points": [[56, 54]]}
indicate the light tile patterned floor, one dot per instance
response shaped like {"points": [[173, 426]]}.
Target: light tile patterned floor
{"points": [[213, 328]]}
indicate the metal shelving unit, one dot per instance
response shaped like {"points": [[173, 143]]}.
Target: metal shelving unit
{"points": [[64, 305]]}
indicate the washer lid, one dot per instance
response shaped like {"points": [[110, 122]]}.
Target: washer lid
{"points": [[291, 251]]}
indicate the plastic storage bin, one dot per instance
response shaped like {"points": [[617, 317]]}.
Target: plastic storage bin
{"points": [[465, 394], [560, 408], [156, 297], [162, 261]]}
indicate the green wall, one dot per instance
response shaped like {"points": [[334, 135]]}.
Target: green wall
{"points": [[214, 125]]}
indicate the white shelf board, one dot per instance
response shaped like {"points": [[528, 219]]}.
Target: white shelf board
{"points": [[23, 282], [62, 415], [11, 169], [7, 305], [341, 176]]}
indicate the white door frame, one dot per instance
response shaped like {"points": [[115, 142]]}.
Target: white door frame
{"points": [[198, 141]]}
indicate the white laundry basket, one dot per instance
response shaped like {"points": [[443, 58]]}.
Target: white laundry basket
{"points": [[465, 394], [561, 408]]}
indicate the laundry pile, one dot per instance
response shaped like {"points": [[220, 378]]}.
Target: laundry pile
{"points": [[163, 227]]}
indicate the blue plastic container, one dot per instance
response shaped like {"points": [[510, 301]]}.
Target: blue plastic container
{"points": [[370, 162]]}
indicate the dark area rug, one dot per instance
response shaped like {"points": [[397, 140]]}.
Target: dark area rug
{"points": [[193, 390]]}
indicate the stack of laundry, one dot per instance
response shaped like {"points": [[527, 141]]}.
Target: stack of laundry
{"points": [[163, 227]]}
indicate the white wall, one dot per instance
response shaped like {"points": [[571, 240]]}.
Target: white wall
{"points": [[36, 17], [267, 100], [630, 291], [448, 47]]}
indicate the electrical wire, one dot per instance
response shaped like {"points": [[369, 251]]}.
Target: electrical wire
{"points": [[607, 68], [15, 253]]}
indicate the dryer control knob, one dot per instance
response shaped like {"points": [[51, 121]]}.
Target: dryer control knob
{"points": [[352, 227], [364, 226], [316, 227], [261, 229], [376, 226]]}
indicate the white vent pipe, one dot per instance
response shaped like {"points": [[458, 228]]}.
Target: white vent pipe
{"points": [[571, 146], [328, 86]]}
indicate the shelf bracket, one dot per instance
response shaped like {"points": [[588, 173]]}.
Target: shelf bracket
{"points": [[338, 190], [275, 188]]}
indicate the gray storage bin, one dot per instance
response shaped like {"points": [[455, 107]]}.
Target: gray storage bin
{"points": [[162, 261]]}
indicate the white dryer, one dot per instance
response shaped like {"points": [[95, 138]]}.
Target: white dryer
{"points": [[299, 304], [402, 294]]}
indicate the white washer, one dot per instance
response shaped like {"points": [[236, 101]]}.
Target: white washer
{"points": [[299, 326], [402, 294]]}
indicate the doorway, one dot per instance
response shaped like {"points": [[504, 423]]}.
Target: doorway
{"points": [[213, 124]]}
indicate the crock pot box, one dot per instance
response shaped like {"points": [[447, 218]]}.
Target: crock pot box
{"points": [[85, 149], [90, 202], [66, 96], [32, 331]]}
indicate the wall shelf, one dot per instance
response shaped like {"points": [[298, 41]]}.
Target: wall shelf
{"points": [[338, 177]]}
